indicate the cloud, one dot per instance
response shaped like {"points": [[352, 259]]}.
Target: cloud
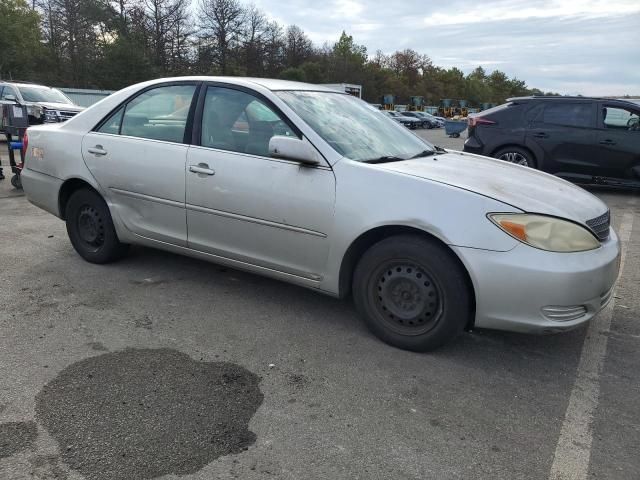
{"points": [[588, 46], [502, 11]]}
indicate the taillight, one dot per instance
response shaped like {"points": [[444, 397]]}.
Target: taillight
{"points": [[475, 121], [25, 144]]}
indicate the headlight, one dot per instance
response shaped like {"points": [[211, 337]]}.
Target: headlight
{"points": [[546, 233], [34, 111], [50, 116]]}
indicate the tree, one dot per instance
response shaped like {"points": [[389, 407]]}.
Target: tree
{"points": [[298, 47], [222, 21], [348, 59], [253, 39], [167, 31], [73, 29], [114, 43], [20, 46]]}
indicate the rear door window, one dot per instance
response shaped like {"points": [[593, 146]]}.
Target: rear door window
{"points": [[569, 114], [158, 114], [112, 125]]}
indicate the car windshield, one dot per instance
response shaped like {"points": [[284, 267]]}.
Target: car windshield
{"points": [[43, 94], [353, 128]]}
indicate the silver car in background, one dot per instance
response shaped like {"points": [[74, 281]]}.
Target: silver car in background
{"points": [[313, 187], [407, 121]]}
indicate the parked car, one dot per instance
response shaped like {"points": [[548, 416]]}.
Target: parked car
{"points": [[409, 122], [322, 191], [424, 122], [585, 140], [44, 104], [436, 122]]}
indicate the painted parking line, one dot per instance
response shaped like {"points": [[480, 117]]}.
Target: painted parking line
{"points": [[573, 451]]}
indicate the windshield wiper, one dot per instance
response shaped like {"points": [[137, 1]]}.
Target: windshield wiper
{"points": [[384, 159], [439, 149], [424, 153]]}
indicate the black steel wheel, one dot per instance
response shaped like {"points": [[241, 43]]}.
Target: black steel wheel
{"points": [[407, 297], [90, 228], [412, 292], [90, 225]]}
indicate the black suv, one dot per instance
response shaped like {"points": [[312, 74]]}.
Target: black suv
{"points": [[585, 140], [44, 104]]}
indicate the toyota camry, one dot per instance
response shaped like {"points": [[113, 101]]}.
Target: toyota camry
{"points": [[313, 187]]}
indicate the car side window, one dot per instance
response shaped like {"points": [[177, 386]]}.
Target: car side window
{"points": [[240, 122], [158, 114], [8, 90], [618, 118], [112, 124], [569, 114]]}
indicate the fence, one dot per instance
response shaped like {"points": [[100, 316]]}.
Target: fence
{"points": [[84, 97]]}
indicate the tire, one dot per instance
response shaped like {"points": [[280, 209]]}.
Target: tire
{"points": [[16, 182], [412, 292], [516, 155], [90, 228]]}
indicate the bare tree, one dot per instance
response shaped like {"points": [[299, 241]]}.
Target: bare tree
{"points": [[166, 22], [221, 22], [298, 47], [71, 29], [274, 48], [253, 39]]}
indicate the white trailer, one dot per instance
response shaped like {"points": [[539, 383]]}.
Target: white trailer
{"points": [[350, 88]]}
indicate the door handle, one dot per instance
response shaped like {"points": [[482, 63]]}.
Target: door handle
{"points": [[541, 135], [202, 168], [607, 142], [97, 150]]}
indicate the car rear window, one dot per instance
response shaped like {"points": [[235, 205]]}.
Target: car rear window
{"points": [[569, 114], [505, 114], [157, 114]]}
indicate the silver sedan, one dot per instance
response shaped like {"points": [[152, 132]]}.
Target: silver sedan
{"points": [[313, 187]]}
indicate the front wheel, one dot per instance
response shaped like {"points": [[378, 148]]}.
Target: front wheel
{"points": [[412, 292], [91, 229]]}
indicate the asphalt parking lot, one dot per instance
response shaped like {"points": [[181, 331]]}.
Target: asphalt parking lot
{"points": [[162, 366]]}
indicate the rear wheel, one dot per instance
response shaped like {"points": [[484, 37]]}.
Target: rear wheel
{"points": [[412, 293], [516, 155], [91, 229]]}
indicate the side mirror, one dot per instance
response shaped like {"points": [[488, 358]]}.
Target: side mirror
{"points": [[11, 98], [290, 148]]}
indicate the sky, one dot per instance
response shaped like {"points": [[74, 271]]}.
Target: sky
{"points": [[588, 47]]}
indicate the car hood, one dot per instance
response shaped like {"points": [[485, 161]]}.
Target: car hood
{"points": [[57, 106], [524, 188]]}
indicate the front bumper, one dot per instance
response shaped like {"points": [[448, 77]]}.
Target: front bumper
{"points": [[529, 290]]}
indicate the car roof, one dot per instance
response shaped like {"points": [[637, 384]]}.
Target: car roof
{"points": [[556, 98], [268, 83], [22, 83]]}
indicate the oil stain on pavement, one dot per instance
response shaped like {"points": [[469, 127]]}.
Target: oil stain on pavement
{"points": [[146, 413], [16, 436]]}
